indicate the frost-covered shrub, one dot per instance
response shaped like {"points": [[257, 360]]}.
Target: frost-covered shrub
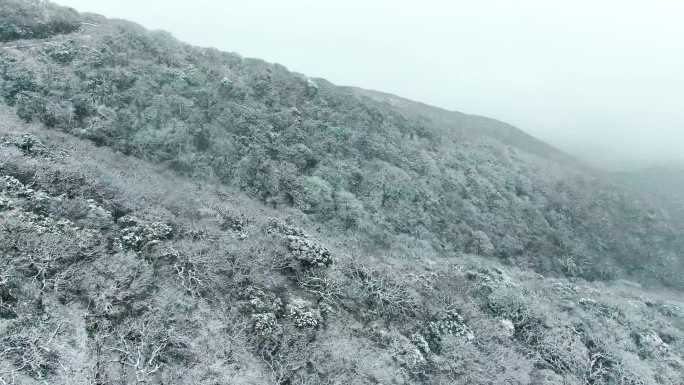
{"points": [[26, 346], [279, 227], [37, 202], [348, 210], [30, 222], [64, 53], [507, 327], [317, 197], [488, 281], [309, 253], [549, 377], [29, 144], [603, 309], [261, 301], [510, 246], [312, 87], [605, 367], [51, 113], [13, 187], [563, 350], [189, 277], [138, 234], [6, 204], [326, 289], [226, 83], [493, 276], [480, 244], [449, 323], [8, 295], [97, 215], [303, 315], [29, 105], [380, 293], [301, 249], [232, 221], [129, 221], [668, 310], [421, 343], [408, 353], [510, 304], [265, 325], [650, 344]]}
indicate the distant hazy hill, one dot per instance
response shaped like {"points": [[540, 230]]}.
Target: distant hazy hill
{"points": [[664, 185], [171, 214], [468, 126]]}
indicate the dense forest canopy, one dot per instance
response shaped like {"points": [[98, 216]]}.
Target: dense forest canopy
{"points": [[354, 162], [35, 19]]}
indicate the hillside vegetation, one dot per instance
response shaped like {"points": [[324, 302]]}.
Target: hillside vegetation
{"points": [[175, 214], [22, 19], [116, 271]]}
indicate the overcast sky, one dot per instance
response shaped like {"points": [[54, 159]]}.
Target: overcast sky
{"points": [[602, 79]]}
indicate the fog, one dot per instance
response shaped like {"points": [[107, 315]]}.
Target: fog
{"points": [[600, 80]]}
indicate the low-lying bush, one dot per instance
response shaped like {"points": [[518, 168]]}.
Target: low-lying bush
{"points": [[378, 293], [29, 346]]}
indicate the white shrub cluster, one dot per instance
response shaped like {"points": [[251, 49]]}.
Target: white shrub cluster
{"points": [[138, 234], [303, 315], [308, 252]]}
